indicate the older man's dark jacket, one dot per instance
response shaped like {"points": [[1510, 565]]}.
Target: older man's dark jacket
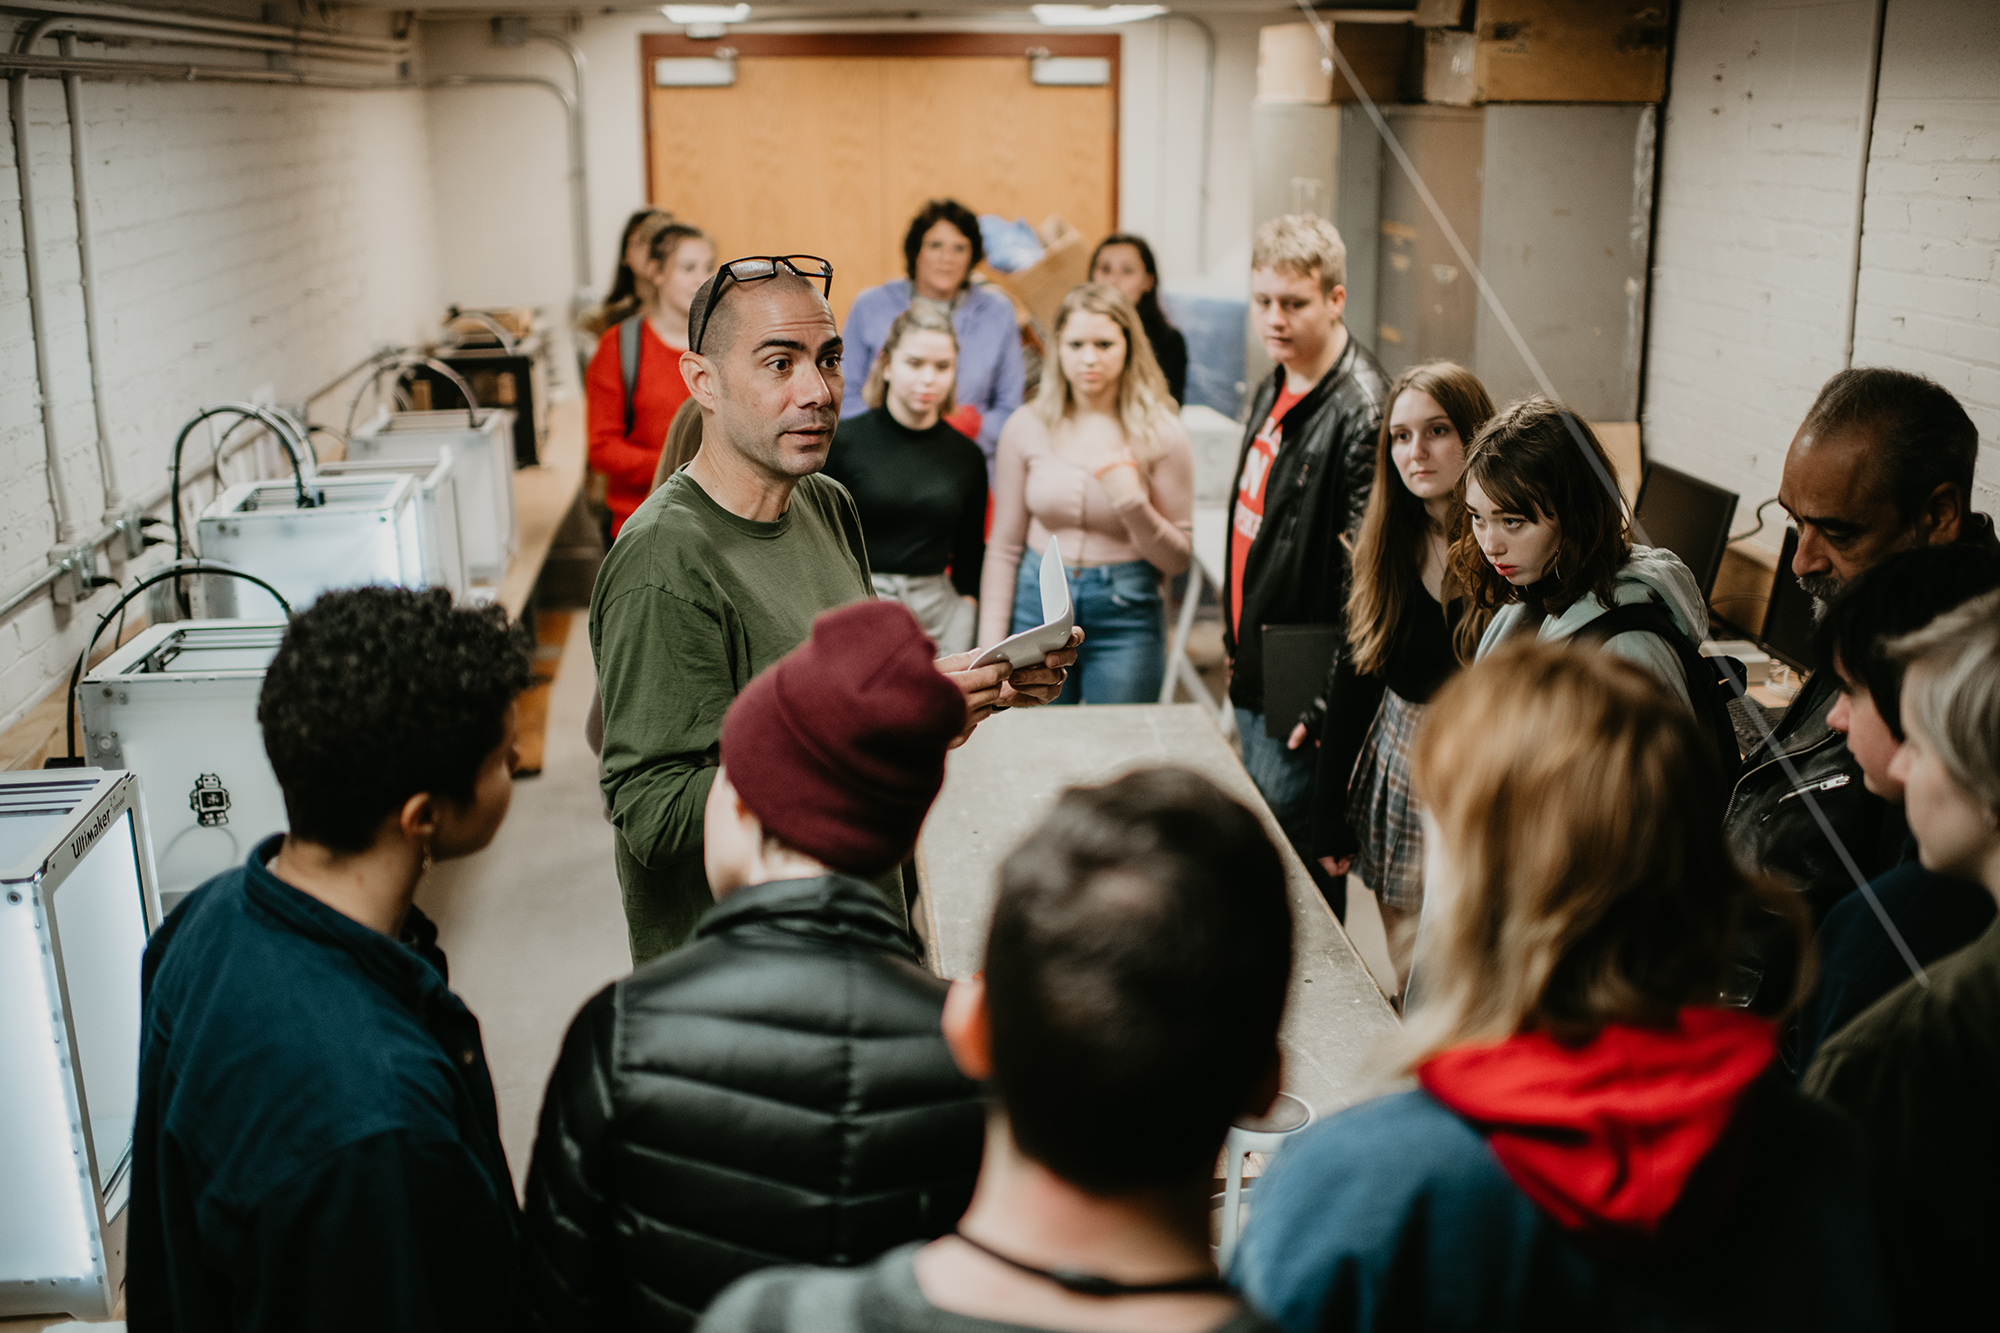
{"points": [[1296, 571], [1771, 823], [777, 1091]]}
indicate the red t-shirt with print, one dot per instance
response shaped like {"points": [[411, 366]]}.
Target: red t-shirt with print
{"points": [[1249, 514]]}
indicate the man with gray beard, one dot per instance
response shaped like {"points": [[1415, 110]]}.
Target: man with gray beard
{"points": [[1882, 463]]}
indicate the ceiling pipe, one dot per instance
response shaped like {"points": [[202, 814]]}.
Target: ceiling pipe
{"points": [[162, 18], [167, 36]]}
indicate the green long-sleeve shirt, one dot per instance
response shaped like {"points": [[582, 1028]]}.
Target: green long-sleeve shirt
{"points": [[691, 603]]}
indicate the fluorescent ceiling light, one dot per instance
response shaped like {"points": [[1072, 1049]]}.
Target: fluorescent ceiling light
{"points": [[691, 14], [1091, 16]]}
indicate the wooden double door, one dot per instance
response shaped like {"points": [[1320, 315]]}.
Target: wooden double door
{"points": [[829, 145]]}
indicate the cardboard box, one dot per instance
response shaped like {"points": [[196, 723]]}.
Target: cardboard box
{"points": [[1291, 66], [1290, 69], [1550, 51], [1041, 287]]}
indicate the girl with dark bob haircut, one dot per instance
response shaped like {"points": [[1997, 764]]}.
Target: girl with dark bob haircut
{"points": [[1547, 548]]}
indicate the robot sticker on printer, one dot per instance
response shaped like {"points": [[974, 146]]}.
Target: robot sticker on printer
{"points": [[209, 800]]}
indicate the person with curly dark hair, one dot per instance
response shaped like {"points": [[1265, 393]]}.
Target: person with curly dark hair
{"points": [[316, 1144], [940, 250]]}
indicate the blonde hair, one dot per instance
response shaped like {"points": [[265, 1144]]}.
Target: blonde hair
{"points": [[1585, 877], [1387, 568], [1303, 244], [1953, 685], [1143, 398], [916, 319]]}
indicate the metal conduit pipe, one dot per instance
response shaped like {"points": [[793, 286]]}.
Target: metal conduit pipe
{"points": [[114, 494], [21, 66], [583, 296], [165, 36], [68, 526], [161, 18]]}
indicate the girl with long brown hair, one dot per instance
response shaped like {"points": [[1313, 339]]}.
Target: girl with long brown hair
{"points": [[1597, 1138], [1099, 463], [1401, 612]]}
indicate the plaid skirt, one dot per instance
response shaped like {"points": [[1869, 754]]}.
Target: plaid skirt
{"points": [[1382, 810]]}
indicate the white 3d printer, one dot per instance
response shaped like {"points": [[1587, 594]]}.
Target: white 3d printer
{"points": [[77, 903], [482, 440], [364, 529], [178, 705], [439, 537]]}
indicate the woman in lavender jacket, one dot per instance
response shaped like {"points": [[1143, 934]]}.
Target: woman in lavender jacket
{"points": [[941, 249]]}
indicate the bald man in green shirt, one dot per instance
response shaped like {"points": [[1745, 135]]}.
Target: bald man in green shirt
{"points": [[721, 572]]}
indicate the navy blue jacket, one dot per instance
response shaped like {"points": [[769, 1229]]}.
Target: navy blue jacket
{"points": [[317, 1145], [1395, 1215], [1859, 964]]}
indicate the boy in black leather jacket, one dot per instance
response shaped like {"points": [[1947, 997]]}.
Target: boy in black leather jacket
{"points": [[777, 1090], [1301, 484]]}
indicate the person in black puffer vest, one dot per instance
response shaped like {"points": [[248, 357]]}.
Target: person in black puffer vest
{"points": [[778, 1090]]}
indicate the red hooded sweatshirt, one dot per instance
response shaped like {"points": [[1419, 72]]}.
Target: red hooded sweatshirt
{"points": [[1605, 1136]]}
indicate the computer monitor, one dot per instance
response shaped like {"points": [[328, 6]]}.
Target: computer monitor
{"points": [[1689, 517], [1789, 620]]}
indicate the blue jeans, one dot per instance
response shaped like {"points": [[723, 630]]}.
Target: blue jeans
{"points": [[1284, 778], [1123, 659]]}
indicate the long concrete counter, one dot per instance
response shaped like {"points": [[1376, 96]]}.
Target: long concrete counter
{"points": [[1003, 781]]}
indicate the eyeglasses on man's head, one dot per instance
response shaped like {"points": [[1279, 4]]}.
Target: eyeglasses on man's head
{"points": [[756, 268]]}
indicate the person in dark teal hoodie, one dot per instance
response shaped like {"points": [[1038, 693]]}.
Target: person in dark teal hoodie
{"points": [[316, 1145], [1596, 1140]]}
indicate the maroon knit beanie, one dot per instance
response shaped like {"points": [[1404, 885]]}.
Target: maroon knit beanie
{"points": [[839, 748]]}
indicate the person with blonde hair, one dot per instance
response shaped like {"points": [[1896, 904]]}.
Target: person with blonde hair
{"points": [[1596, 1139], [1100, 464], [1402, 608], [920, 485], [1302, 481], [1920, 1070]]}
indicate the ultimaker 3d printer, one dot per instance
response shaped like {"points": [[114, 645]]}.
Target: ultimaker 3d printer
{"points": [[178, 706], [77, 903]]}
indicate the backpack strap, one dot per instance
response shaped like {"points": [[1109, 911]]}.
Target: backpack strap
{"points": [[628, 361], [1710, 681]]}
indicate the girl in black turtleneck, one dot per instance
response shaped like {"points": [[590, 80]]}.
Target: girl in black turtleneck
{"points": [[919, 484]]}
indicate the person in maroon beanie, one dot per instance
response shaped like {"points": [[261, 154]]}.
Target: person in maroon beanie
{"points": [[778, 1090]]}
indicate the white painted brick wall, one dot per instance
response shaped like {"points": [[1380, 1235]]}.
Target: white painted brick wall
{"points": [[1930, 282], [1760, 176], [245, 236], [1760, 163]]}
